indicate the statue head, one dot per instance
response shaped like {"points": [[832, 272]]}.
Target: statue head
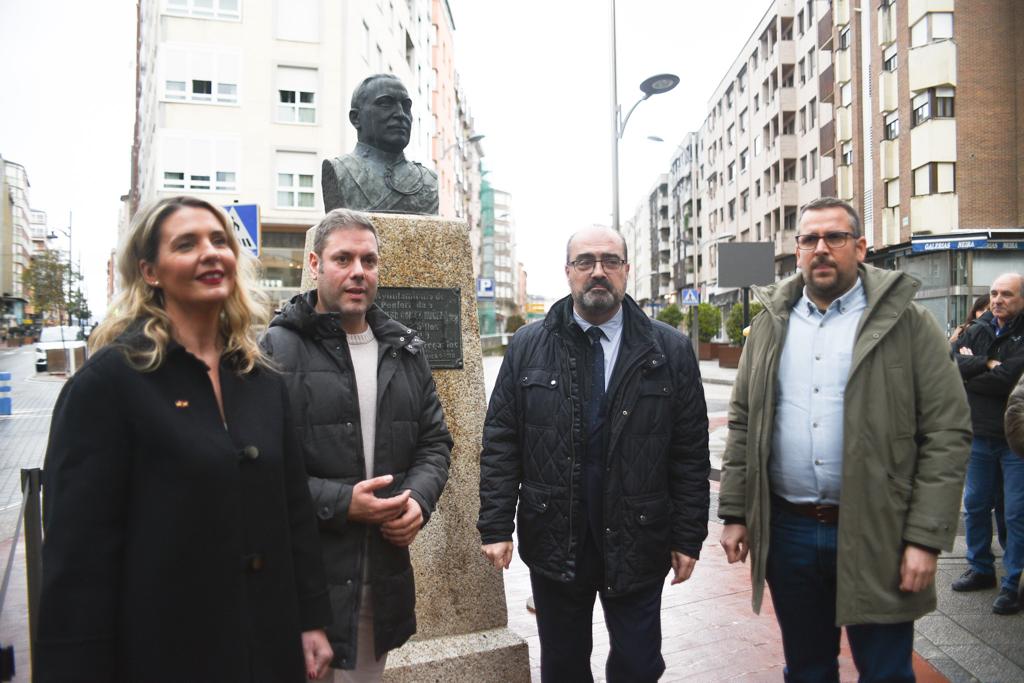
{"points": [[382, 113]]}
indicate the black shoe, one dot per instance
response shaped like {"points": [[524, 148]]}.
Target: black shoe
{"points": [[971, 580], [1006, 602]]}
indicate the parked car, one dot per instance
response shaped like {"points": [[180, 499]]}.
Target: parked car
{"points": [[59, 337]]}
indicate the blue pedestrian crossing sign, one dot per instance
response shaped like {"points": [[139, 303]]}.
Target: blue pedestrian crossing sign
{"points": [[691, 297], [246, 219]]}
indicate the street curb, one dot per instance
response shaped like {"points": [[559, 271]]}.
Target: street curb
{"points": [[716, 380]]}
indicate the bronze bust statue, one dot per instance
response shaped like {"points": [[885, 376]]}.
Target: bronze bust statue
{"points": [[376, 176]]}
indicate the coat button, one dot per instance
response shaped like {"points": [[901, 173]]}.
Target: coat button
{"points": [[608, 530], [253, 563], [394, 354], [401, 339], [874, 336], [654, 362], [553, 382], [625, 413], [643, 517], [250, 453], [324, 512], [543, 506], [664, 390]]}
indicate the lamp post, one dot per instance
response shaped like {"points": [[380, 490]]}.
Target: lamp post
{"points": [[655, 85], [472, 139]]}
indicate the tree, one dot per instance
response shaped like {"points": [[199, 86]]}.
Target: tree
{"points": [[734, 323], [78, 306], [671, 315], [46, 282], [514, 322], [709, 321]]}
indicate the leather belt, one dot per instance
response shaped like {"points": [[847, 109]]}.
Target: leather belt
{"points": [[823, 514]]}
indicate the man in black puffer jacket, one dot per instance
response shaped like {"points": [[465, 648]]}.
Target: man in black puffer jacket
{"points": [[597, 426], [373, 435], [990, 355]]}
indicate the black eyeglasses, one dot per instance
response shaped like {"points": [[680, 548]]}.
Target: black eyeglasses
{"points": [[585, 264], [833, 240]]}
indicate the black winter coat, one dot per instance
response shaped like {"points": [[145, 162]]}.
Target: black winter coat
{"points": [[988, 390], [413, 444], [656, 477], [176, 550]]}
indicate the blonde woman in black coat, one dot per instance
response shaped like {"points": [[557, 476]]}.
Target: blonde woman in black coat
{"points": [[180, 539]]}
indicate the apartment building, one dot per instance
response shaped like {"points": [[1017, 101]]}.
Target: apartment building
{"points": [[648, 243], [928, 138], [22, 233], [684, 215], [759, 149], [240, 101]]}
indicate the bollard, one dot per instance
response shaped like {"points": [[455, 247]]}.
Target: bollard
{"points": [[5, 393]]}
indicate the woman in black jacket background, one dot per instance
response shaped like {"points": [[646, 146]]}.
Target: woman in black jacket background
{"points": [[180, 538]]}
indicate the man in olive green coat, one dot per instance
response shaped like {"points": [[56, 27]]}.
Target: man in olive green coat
{"points": [[845, 387]]}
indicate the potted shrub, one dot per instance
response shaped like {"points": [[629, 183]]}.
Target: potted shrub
{"points": [[671, 315], [709, 321], [729, 356]]}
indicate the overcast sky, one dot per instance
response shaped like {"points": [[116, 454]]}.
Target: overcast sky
{"points": [[536, 75]]}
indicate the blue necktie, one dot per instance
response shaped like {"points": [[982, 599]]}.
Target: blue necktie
{"points": [[597, 395]]}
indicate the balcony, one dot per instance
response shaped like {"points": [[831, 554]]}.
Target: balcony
{"points": [[935, 213], [844, 182], [827, 84], [785, 8], [844, 124], [917, 8], [827, 143], [890, 226], [842, 64], [887, 92], [787, 99], [886, 27], [787, 51], [825, 30], [933, 140], [787, 146], [889, 159], [790, 193], [841, 12], [932, 65], [664, 248]]}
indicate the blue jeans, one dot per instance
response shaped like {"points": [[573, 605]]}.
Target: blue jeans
{"points": [[801, 574], [989, 457]]}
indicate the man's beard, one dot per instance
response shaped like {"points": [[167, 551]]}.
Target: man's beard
{"points": [[599, 302]]}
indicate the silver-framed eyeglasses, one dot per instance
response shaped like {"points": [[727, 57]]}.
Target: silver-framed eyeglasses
{"points": [[833, 240], [610, 264]]}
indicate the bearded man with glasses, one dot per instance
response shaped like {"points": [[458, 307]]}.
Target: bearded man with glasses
{"points": [[598, 429], [849, 434]]}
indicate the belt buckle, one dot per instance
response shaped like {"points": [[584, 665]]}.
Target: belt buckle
{"points": [[821, 513]]}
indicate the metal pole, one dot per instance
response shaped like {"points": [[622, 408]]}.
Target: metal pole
{"points": [[70, 266], [615, 127], [694, 325]]}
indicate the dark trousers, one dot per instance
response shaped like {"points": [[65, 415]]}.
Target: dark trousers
{"points": [[565, 615], [801, 573]]}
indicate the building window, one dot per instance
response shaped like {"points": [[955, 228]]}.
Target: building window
{"points": [[810, 63], [743, 161], [757, 102], [228, 10], [812, 163], [844, 38], [757, 187], [846, 154], [743, 121], [803, 120], [296, 95], [197, 75], [728, 135], [932, 27], [296, 180], [812, 113], [890, 59], [934, 103], [198, 162], [744, 201], [935, 178], [732, 209], [845, 94], [803, 169], [892, 193], [892, 125], [757, 145], [802, 67], [731, 171], [297, 20]]}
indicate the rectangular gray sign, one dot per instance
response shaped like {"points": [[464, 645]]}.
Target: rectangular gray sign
{"points": [[741, 264]]}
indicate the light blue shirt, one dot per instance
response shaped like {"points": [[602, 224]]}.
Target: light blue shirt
{"points": [[806, 464], [611, 342]]}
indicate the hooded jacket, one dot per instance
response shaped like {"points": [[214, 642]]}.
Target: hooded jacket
{"points": [[412, 443], [907, 436]]}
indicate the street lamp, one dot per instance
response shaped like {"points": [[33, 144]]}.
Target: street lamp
{"points": [[471, 139], [66, 233], [655, 85]]}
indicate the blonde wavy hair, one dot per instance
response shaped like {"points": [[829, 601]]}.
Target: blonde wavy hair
{"points": [[139, 307]]}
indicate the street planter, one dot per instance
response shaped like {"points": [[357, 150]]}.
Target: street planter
{"points": [[729, 356], [705, 351]]}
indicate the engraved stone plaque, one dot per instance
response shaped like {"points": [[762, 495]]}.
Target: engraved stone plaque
{"points": [[436, 315]]}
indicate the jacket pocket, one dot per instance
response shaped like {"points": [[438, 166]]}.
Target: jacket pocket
{"points": [[541, 395], [535, 520], [647, 533]]}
